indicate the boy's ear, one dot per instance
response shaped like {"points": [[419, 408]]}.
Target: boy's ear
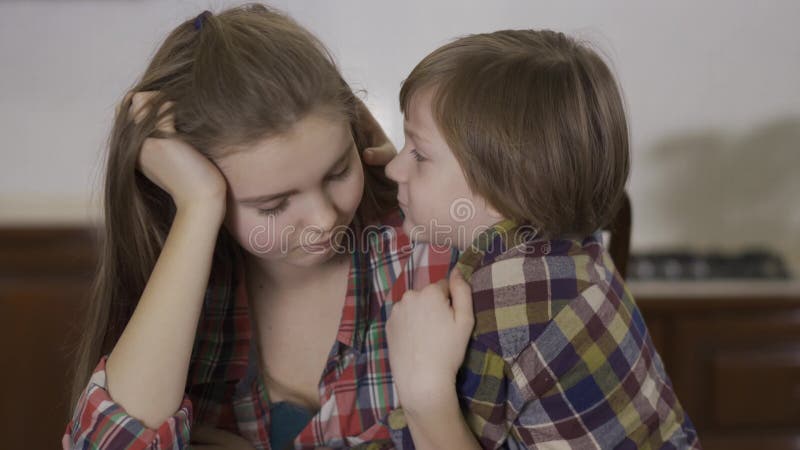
{"points": [[493, 213], [490, 210]]}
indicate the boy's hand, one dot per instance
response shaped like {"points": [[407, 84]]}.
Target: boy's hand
{"points": [[427, 338], [380, 150], [380, 155]]}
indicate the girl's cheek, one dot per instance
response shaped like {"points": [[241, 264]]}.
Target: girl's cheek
{"points": [[352, 191], [258, 234], [261, 235], [237, 225]]}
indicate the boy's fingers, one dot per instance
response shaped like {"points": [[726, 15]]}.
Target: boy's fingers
{"points": [[380, 155], [461, 293], [444, 287]]}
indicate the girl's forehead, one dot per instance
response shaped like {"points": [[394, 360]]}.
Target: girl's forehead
{"points": [[303, 154]]}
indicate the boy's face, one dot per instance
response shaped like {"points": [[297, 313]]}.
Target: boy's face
{"points": [[438, 205]]}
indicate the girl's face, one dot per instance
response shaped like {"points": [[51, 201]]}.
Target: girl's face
{"points": [[438, 204], [288, 195]]}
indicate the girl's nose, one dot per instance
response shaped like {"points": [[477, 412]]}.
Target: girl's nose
{"points": [[324, 214]]}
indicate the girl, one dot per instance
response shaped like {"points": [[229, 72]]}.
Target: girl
{"points": [[250, 262]]}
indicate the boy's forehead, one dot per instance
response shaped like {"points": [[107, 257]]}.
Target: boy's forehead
{"points": [[419, 121], [420, 103]]}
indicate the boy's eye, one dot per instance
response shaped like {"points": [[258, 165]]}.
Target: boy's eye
{"points": [[273, 211], [416, 155]]}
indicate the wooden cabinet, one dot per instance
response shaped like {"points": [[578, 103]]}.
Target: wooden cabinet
{"points": [[732, 350], [45, 278]]}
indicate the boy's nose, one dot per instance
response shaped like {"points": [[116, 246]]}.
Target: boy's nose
{"points": [[394, 170]]}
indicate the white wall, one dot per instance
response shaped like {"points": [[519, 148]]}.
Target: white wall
{"points": [[712, 91]]}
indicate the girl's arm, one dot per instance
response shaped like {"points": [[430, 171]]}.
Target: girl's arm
{"points": [[427, 339], [147, 369]]}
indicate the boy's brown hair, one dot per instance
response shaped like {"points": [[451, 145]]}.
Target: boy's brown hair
{"points": [[537, 122]]}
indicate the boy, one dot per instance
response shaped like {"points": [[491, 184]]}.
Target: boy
{"points": [[517, 153]]}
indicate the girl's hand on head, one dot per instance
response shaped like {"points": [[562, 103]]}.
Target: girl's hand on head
{"points": [[427, 339], [190, 178]]}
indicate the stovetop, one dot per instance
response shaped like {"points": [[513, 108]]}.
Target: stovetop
{"points": [[687, 266]]}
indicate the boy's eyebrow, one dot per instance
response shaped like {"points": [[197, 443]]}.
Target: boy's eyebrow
{"points": [[414, 135], [269, 197]]}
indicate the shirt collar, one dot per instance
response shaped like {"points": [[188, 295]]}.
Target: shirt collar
{"points": [[491, 243], [507, 234], [355, 313]]}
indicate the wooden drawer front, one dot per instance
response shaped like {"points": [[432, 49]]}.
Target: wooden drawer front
{"points": [[760, 387], [732, 370], [45, 280], [40, 329]]}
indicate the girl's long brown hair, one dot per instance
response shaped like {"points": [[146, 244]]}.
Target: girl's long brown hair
{"points": [[249, 72]]}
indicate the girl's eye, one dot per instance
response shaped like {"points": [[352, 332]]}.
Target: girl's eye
{"points": [[273, 211], [280, 208], [416, 155], [340, 175]]}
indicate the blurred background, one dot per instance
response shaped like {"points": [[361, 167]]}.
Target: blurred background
{"points": [[713, 98]]}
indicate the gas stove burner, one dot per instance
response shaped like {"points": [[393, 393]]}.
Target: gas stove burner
{"points": [[684, 265]]}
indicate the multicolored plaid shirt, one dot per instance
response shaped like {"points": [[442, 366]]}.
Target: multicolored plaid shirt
{"points": [[225, 388], [560, 356]]}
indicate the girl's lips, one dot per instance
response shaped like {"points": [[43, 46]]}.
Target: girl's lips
{"points": [[321, 244], [318, 248]]}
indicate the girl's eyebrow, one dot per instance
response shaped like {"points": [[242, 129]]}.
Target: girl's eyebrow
{"points": [[269, 197]]}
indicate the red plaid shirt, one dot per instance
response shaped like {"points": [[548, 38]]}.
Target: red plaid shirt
{"points": [[224, 388]]}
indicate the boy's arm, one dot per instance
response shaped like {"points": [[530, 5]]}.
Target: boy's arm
{"points": [[440, 424], [591, 378], [427, 336]]}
